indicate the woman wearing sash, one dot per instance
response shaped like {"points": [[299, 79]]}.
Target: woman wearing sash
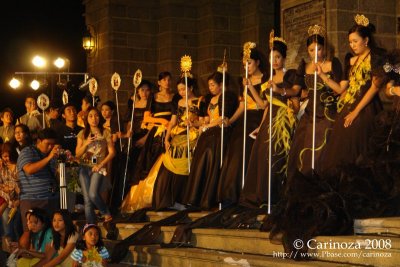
{"points": [[156, 121], [329, 69], [171, 181], [255, 191], [230, 181], [328, 204], [201, 189]]}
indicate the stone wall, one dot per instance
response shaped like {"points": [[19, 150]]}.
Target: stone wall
{"points": [[340, 17], [154, 34]]}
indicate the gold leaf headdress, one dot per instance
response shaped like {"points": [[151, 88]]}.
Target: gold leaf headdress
{"points": [[361, 20], [316, 30], [247, 50], [280, 39]]}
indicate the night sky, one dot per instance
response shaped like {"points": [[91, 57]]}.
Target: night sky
{"points": [[50, 28]]}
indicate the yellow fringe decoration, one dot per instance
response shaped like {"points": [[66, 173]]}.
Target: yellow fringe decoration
{"points": [[283, 120], [357, 79]]}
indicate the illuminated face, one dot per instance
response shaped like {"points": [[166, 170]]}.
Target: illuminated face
{"points": [[5, 156], [93, 118], [165, 83], [106, 112], [311, 51], [253, 66], [30, 104], [58, 223], [19, 135], [91, 237], [182, 90], [46, 145], [278, 60], [70, 113], [144, 92], [7, 118], [34, 224], [357, 43], [214, 87]]}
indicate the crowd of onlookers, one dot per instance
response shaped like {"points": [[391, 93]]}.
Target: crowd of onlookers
{"points": [[33, 227]]}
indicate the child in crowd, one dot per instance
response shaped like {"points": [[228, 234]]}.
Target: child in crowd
{"points": [[90, 250], [40, 236], [64, 240]]}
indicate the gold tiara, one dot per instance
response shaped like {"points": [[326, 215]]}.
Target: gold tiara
{"points": [[280, 39], [316, 30], [247, 50], [361, 20]]}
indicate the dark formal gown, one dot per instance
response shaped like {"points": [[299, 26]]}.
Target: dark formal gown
{"points": [[172, 177], [357, 179], [154, 144], [300, 154], [231, 177], [201, 189], [255, 190]]}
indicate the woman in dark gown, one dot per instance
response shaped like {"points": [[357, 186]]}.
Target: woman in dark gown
{"points": [[201, 189], [156, 121], [300, 154], [139, 133], [255, 190], [231, 178], [328, 205], [171, 180]]}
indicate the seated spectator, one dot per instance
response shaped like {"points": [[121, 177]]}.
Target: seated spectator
{"points": [[90, 250], [64, 239], [40, 236], [9, 192]]}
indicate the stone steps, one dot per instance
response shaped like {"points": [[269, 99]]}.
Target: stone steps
{"points": [[155, 255], [379, 226], [243, 243]]}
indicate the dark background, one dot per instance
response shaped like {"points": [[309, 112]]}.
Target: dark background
{"points": [[50, 28]]}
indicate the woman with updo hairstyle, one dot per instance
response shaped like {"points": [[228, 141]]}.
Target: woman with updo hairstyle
{"points": [[230, 181], [348, 186], [360, 102], [156, 120], [328, 91], [284, 109], [202, 183], [171, 180]]}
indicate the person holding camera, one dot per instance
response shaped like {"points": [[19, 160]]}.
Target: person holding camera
{"points": [[36, 167], [94, 150]]}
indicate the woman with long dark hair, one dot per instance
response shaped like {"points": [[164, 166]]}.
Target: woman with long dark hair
{"points": [[22, 137], [40, 236], [94, 149], [64, 240]]}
